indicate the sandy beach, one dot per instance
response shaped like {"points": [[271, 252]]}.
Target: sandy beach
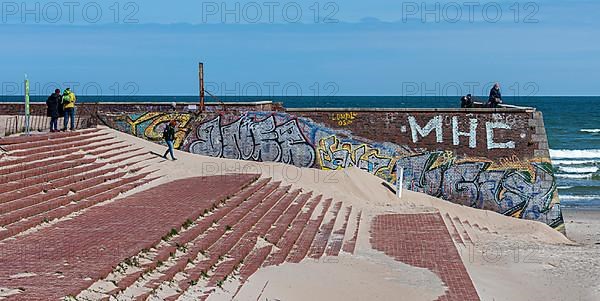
{"points": [[509, 259], [505, 258]]}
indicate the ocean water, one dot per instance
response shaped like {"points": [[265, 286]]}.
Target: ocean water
{"points": [[572, 126]]}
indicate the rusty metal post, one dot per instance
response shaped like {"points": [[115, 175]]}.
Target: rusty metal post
{"points": [[201, 82]]}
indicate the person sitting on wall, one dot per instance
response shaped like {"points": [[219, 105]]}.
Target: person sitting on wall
{"points": [[466, 101], [169, 137], [54, 102], [495, 96], [68, 102]]}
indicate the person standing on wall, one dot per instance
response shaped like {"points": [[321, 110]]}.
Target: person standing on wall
{"points": [[495, 96], [169, 136], [68, 101], [54, 102]]}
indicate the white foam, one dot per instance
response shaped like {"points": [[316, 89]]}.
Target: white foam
{"points": [[574, 176], [590, 130], [579, 197], [564, 187], [590, 169], [572, 162], [575, 153]]}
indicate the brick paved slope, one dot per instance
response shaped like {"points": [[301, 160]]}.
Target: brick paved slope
{"points": [[67, 257], [422, 240]]}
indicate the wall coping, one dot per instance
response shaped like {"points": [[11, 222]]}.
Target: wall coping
{"points": [[438, 110], [502, 109], [240, 103]]}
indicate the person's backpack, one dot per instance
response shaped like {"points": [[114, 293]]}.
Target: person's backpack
{"points": [[66, 99], [165, 133], [168, 133]]}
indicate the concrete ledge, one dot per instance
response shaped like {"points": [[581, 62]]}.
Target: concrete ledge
{"points": [[441, 110]]}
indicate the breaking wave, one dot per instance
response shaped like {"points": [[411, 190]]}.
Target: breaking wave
{"points": [[575, 153], [575, 176], [573, 162], [579, 197], [590, 130], [590, 169]]}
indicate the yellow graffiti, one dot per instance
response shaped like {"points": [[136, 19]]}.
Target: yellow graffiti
{"points": [[446, 158], [334, 155], [344, 119], [154, 132]]}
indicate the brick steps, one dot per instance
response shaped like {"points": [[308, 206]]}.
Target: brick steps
{"points": [[49, 179], [287, 241], [63, 204], [65, 210], [186, 235], [337, 238], [42, 137], [206, 232], [224, 242], [52, 148], [33, 169], [350, 245], [22, 186], [321, 239], [35, 145], [453, 230], [59, 153], [283, 223], [227, 231], [99, 238], [462, 231]]}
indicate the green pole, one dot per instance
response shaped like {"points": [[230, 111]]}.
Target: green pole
{"points": [[27, 112]]}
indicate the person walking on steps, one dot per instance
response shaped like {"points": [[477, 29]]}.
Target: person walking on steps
{"points": [[53, 103], [68, 101], [169, 136]]}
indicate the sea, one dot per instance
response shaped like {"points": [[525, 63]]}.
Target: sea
{"points": [[572, 125]]}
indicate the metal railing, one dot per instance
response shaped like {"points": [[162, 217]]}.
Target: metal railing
{"points": [[39, 123]]}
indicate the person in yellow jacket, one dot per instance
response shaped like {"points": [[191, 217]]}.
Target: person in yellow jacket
{"points": [[68, 102]]}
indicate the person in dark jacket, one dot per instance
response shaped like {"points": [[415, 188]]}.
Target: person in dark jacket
{"points": [[495, 96], [54, 102], [169, 136], [466, 101]]}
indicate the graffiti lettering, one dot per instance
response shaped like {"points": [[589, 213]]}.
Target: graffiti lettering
{"points": [[151, 125], [472, 133], [434, 124], [344, 119], [513, 186], [489, 128], [510, 191], [249, 139], [334, 155]]}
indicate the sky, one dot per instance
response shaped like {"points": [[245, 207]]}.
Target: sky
{"points": [[306, 48]]}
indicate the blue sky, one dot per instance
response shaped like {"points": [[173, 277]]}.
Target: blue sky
{"points": [[332, 48]]}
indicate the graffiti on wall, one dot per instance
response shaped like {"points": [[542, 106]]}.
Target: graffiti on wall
{"points": [[334, 155], [521, 189], [255, 140], [436, 124], [151, 125], [344, 119], [515, 187]]}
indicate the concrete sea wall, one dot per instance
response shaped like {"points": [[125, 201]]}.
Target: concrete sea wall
{"points": [[494, 159]]}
